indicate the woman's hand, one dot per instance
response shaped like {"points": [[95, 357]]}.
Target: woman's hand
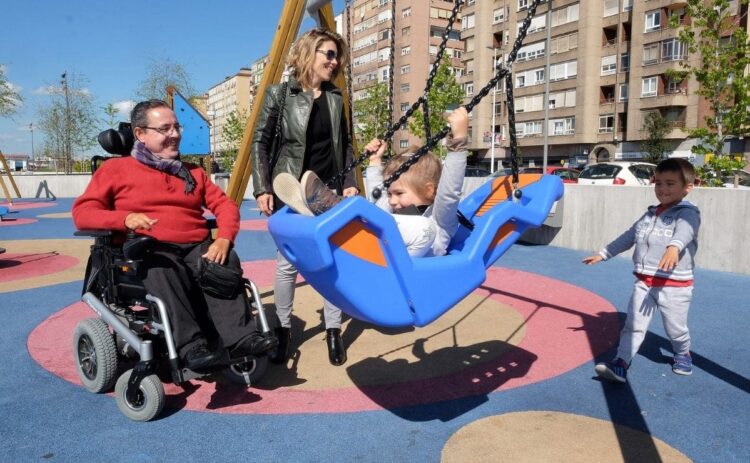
{"points": [[218, 251], [265, 203], [351, 191]]}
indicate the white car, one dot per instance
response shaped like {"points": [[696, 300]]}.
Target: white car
{"points": [[617, 173]]}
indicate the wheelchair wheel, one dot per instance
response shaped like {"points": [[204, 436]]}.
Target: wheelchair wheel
{"points": [[150, 400], [246, 373], [95, 355]]}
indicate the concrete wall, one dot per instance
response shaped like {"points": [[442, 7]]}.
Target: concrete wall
{"points": [[592, 215]]}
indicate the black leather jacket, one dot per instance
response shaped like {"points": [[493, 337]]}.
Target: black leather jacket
{"points": [[297, 108]]}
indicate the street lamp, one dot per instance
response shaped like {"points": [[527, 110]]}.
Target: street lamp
{"points": [[494, 96]]}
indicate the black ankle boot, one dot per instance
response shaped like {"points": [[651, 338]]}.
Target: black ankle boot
{"points": [[336, 349], [281, 354]]}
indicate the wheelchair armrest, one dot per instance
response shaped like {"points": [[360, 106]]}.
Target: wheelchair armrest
{"points": [[93, 233], [135, 246]]}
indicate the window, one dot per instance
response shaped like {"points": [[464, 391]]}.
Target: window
{"points": [[405, 69], [520, 81], [609, 65], [566, 126], [456, 53], [523, 4], [405, 106], [531, 51], [405, 50], [385, 35], [405, 88], [623, 92], [624, 62], [653, 20], [538, 23], [566, 70], [469, 88], [673, 50], [384, 74], [498, 15], [607, 123], [469, 67], [610, 7], [539, 75], [565, 15], [403, 144], [650, 54], [649, 86], [563, 43], [406, 12], [467, 22], [405, 31]]}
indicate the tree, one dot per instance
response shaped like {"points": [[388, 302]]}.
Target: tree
{"points": [[372, 114], [444, 93], [655, 146], [9, 97], [112, 115], [232, 132], [162, 74], [68, 120], [718, 38]]}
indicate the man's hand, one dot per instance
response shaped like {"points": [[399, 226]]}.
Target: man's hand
{"points": [[137, 220], [265, 203], [218, 251], [669, 259]]}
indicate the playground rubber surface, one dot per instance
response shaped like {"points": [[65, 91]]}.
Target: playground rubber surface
{"points": [[506, 375]]}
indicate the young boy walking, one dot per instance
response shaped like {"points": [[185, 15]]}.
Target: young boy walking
{"points": [[665, 240]]}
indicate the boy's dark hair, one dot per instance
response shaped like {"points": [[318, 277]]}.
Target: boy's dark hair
{"points": [[682, 166], [138, 116]]}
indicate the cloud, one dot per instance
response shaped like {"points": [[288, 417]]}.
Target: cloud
{"points": [[124, 107], [48, 90]]}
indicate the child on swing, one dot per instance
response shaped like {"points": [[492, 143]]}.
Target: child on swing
{"points": [[423, 201]]}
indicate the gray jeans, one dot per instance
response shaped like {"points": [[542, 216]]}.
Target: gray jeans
{"points": [[283, 290], [673, 304]]}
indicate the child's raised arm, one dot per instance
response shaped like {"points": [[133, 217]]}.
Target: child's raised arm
{"points": [[459, 122], [376, 148]]}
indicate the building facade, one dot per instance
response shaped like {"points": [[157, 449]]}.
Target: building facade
{"points": [[417, 28], [586, 77], [234, 93]]}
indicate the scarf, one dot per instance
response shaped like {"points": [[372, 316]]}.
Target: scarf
{"points": [[170, 166]]}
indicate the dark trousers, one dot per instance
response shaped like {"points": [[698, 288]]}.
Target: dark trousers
{"points": [[171, 274]]}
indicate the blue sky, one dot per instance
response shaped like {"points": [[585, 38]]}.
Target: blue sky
{"points": [[112, 45]]}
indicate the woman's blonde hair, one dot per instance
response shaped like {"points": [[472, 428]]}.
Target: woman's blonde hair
{"points": [[425, 172], [302, 54]]}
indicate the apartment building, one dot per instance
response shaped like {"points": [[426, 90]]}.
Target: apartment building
{"points": [[584, 80], [234, 93], [417, 29]]}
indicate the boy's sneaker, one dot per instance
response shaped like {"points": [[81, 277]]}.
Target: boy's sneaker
{"points": [[683, 364], [616, 371], [318, 197], [289, 190]]}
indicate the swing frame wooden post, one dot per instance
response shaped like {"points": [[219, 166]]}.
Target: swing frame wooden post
{"points": [[286, 32], [6, 193]]}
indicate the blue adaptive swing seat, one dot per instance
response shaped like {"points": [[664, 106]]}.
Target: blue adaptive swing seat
{"points": [[353, 255]]}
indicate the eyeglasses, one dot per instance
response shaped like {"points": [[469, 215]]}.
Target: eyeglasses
{"points": [[166, 130], [329, 54]]}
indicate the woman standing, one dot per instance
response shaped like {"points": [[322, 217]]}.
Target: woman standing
{"points": [[313, 136]]}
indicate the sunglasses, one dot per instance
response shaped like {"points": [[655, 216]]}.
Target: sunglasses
{"points": [[329, 54]]}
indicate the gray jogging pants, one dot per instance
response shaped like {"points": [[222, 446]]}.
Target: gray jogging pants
{"points": [[673, 304]]}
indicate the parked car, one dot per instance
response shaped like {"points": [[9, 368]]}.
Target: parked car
{"points": [[617, 173], [567, 174], [476, 171]]}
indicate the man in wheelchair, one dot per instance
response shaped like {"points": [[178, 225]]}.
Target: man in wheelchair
{"points": [[198, 278]]}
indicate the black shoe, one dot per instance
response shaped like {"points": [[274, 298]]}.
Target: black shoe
{"points": [[254, 344], [336, 349], [281, 354], [200, 357]]}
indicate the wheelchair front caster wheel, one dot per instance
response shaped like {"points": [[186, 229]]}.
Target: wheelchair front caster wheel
{"points": [[149, 401], [246, 373], [95, 355]]}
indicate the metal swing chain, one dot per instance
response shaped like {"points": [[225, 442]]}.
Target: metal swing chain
{"points": [[422, 99], [503, 71], [391, 64]]}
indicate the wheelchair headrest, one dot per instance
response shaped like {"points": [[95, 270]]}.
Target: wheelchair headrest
{"points": [[118, 141]]}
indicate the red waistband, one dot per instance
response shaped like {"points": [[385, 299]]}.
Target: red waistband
{"points": [[652, 281]]}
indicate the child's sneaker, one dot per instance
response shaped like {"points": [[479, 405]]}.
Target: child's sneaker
{"points": [[616, 371], [683, 364], [318, 197], [289, 190]]}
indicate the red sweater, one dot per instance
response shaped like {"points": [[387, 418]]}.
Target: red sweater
{"points": [[123, 185]]}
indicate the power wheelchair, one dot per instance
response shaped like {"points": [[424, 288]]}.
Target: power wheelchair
{"points": [[133, 328]]}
